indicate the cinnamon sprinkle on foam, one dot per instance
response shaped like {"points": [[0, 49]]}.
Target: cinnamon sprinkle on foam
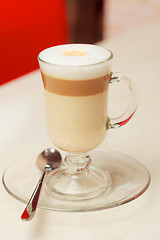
{"points": [[75, 53]]}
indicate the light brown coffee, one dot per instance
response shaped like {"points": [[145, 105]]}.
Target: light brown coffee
{"points": [[77, 88]]}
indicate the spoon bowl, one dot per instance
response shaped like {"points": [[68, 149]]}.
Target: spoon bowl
{"points": [[49, 159]]}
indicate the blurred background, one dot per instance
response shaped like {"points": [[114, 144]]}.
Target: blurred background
{"points": [[28, 27]]}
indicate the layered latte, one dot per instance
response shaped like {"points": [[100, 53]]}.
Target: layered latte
{"points": [[76, 78]]}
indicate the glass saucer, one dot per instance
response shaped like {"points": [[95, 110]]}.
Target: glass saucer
{"points": [[129, 178]]}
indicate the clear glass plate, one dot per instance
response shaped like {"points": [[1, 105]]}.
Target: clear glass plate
{"points": [[129, 179]]}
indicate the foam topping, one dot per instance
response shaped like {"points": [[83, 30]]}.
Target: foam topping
{"points": [[75, 61], [74, 54]]}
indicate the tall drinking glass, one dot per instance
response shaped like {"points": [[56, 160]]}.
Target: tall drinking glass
{"points": [[76, 80]]}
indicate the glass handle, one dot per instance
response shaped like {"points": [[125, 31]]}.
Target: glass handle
{"points": [[127, 115]]}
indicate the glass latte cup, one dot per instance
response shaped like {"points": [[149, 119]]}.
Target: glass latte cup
{"points": [[76, 80]]}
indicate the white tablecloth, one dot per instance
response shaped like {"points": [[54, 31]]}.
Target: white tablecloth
{"points": [[23, 131]]}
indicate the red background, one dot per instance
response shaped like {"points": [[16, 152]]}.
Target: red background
{"points": [[26, 28]]}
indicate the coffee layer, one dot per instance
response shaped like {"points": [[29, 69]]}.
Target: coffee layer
{"points": [[75, 87]]}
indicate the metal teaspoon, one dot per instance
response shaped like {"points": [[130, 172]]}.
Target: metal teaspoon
{"points": [[48, 160]]}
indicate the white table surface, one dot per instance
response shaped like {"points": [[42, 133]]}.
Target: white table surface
{"points": [[23, 131]]}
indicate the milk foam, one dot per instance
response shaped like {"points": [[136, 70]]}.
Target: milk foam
{"points": [[75, 61]]}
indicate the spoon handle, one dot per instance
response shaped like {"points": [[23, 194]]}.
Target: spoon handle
{"points": [[31, 207]]}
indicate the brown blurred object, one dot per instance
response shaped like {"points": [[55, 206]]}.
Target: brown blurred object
{"points": [[85, 20]]}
